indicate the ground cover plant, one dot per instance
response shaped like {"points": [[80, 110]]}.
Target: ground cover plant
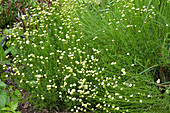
{"points": [[87, 56], [6, 104]]}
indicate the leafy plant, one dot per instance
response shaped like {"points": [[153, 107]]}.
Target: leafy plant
{"points": [[85, 59], [4, 56], [5, 104]]}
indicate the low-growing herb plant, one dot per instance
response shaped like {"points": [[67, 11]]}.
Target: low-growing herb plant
{"points": [[6, 56], [66, 62], [6, 105]]}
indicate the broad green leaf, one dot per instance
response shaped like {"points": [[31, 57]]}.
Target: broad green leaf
{"points": [[2, 85], [7, 51], [10, 88], [1, 67], [1, 38], [7, 62], [14, 97], [167, 91], [7, 100], [17, 93], [3, 96], [14, 105], [12, 50], [2, 77], [7, 31], [2, 54], [7, 109], [18, 112], [4, 111]]}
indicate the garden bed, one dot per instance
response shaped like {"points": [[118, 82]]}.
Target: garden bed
{"points": [[85, 56]]}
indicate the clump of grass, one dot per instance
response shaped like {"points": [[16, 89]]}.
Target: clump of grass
{"points": [[64, 60], [140, 28]]}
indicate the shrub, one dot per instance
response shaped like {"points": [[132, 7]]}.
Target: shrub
{"points": [[60, 68]]}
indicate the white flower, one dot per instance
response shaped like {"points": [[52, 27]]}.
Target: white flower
{"points": [[38, 76], [42, 98], [149, 96], [117, 108], [130, 85], [123, 15], [85, 86], [116, 93], [20, 81], [42, 47], [109, 96], [123, 71], [21, 47], [41, 57], [72, 91], [117, 22], [51, 53], [120, 96], [113, 63], [95, 38], [27, 42], [158, 81], [140, 101], [31, 65], [48, 86], [113, 106]]}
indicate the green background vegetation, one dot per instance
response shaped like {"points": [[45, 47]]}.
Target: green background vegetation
{"points": [[87, 56]]}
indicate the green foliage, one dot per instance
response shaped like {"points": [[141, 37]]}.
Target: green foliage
{"points": [[2, 56], [140, 28], [4, 60], [5, 104], [87, 57]]}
